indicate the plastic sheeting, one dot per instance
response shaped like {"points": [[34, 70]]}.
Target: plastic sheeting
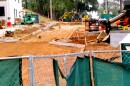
{"points": [[110, 74], [10, 73], [79, 73]]}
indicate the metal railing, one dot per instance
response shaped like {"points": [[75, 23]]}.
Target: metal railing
{"points": [[38, 70]]}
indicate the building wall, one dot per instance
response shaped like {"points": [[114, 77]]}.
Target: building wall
{"points": [[15, 6], [117, 36], [4, 4], [12, 9]]}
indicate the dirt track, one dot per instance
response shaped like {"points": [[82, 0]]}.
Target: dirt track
{"points": [[36, 48], [40, 46]]}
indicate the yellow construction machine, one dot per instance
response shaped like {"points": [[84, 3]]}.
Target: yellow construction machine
{"points": [[85, 18], [70, 17]]}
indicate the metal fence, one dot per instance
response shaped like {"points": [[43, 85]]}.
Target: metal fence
{"points": [[111, 68], [43, 67], [38, 70], [111, 55]]}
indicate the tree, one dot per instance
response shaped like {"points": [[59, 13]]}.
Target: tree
{"points": [[60, 6], [26, 4], [88, 5]]}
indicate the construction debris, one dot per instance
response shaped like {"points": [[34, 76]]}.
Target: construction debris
{"points": [[80, 46], [9, 39]]}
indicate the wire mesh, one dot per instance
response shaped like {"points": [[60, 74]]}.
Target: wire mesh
{"points": [[43, 72], [110, 74], [11, 72], [111, 68], [9, 69], [25, 72], [113, 55], [43, 68], [14, 72], [126, 57], [109, 55]]}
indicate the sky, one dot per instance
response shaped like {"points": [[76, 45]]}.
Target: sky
{"points": [[95, 14], [100, 1]]}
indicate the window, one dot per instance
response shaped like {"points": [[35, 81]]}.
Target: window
{"points": [[2, 11], [16, 12]]}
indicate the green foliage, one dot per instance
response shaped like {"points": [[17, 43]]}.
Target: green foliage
{"points": [[60, 6], [23, 3]]}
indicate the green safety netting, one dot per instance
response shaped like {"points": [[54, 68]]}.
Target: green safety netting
{"points": [[10, 72], [79, 73], [110, 74], [57, 71], [125, 55]]}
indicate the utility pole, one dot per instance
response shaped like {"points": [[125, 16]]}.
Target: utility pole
{"points": [[51, 9], [121, 5], [106, 5]]}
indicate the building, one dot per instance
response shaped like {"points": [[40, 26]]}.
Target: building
{"points": [[125, 43], [10, 9]]}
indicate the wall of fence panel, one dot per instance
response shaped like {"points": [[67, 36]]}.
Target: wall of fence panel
{"points": [[111, 68], [43, 68], [14, 71], [38, 70]]}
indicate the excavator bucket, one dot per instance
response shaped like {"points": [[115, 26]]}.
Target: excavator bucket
{"points": [[102, 35], [107, 39]]}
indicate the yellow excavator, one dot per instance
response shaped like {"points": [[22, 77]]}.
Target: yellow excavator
{"points": [[70, 17], [85, 18]]}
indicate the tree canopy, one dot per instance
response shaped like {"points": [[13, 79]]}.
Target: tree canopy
{"points": [[60, 6]]}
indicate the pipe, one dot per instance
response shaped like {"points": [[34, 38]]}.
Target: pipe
{"points": [[117, 17]]}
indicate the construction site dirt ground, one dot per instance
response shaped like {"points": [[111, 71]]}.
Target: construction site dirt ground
{"points": [[39, 44]]}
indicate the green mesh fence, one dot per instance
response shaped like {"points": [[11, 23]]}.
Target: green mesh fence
{"points": [[56, 69], [56, 72], [10, 73], [110, 74], [125, 55], [79, 73]]}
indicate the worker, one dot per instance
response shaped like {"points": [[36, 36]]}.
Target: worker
{"points": [[9, 23]]}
